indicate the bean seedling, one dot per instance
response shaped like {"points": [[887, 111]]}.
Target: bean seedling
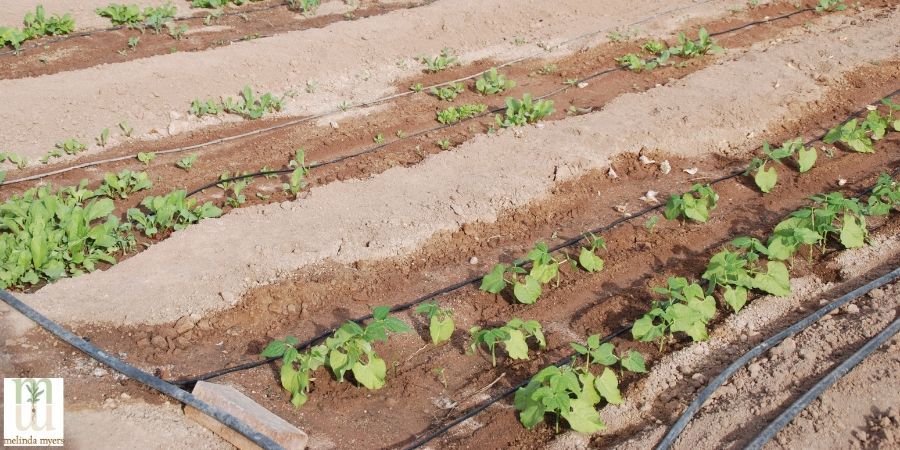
{"points": [[694, 204], [440, 321], [767, 178], [685, 308], [513, 336]]}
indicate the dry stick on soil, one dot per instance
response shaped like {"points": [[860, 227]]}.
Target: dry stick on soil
{"points": [[567, 359], [468, 397], [339, 110]]}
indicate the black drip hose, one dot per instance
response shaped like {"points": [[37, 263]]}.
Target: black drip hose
{"points": [[375, 148], [787, 415], [188, 382], [138, 375], [670, 437]]}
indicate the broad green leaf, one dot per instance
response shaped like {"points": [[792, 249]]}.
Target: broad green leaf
{"points": [[588, 390], [775, 281], [735, 297], [441, 330], [589, 260], [644, 330], [527, 292], [493, 282], [634, 362], [607, 385], [806, 158], [544, 272], [275, 348], [516, 347], [853, 231], [583, 417], [604, 355], [370, 375], [766, 178]]}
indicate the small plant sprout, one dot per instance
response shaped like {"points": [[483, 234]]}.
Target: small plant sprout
{"points": [[650, 224], [492, 82], [588, 259], [520, 112], [202, 108], [439, 63], [311, 87], [123, 184], [71, 146], [440, 321], [767, 178], [526, 284], [252, 106], [448, 93], [103, 139], [177, 32], [574, 392], [187, 162], [126, 129], [685, 308], [297, 181], [173, 211], [379, 138], [133, 42], [830, 6], [304, 6], [418, 87], [514, 337], [687, 48], [146, 158], [444, 144], [694, 204], [548, 69], [454, 114], [860, 136]]}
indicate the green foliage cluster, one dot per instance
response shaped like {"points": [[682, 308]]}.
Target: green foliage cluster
{"points": [[249, 105], [493, 82], [132, 16], [859, 136], [123, 184], [766, 178], [440, 321], [454, 114], [439, 63], [37, 24], [695, 204], [514, 337], [173, 211], [449, 92], [520, 112], [656, 53]]}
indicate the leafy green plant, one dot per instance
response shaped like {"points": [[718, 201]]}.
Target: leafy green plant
{"points": [[37, 24], [588, 258], [146, 157], [187, 162], [173, 211], [418, 87], [250, 106], [126, 129], [296, 367], [520, 112], [514, 337], [492, 82], [448, 93], [176, 31], [123, 184], [884, 197], [440, 62], [378, 139], [444, 144], [737, 272], [440, 321], [297, 180], [859, 136], [685, 308], [202, 108], [830, 214], [526, 284], [127, 15], [574, 393], [830, 6], [14, 158], [350, 349], [52, 154], [103, 139], [71, 146], [304, 6], [234, 188], [687, 48], [133, 42], [695, 204], [767, 178], [454, 114], [156, 17], [47, 235]]}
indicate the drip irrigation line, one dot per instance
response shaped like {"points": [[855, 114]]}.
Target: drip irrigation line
{"points": [[788, 415], [479, 408], [187, 382], [373, 149], [334, 111], [670, 437], [138, 375]]}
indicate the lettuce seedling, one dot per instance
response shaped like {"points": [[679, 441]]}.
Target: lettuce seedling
{"points": [[830, 6], [297, 181], [453, 114], [448, 93], [520, 112], [173, 211], [492, 82], [124, 183], [439, 63], [187, 162], [71, 146]]}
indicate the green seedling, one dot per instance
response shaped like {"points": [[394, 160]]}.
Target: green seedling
{"points": [[177, 32], [444, 144], [378, 139], [520, 112], [684, 308], [71, 146], [766, 178], [574, 393], [454, 114], [234, 187], [687, 48], [123, 184], [159, 16], [418, 87], [650, 224], [492, 82], [202, 108], [304, 6], [448, 93], [14, 158], [514, 337], [127, 15], [440, 321], [126, 129], [548, 69], [694, 204], [297, 181], [146, 158], [103, 139], [830, 6], [173, 211], [588, 259], [859, 136], [133, 42], [52, 154], [250, 106], [296, 367], [737, 272], [37, 24], [885, 197], [187, 162], [526, 284], [439, 63]]}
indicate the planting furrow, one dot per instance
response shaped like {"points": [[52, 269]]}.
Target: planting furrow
{"points": [[195, 33], [337, 72]]}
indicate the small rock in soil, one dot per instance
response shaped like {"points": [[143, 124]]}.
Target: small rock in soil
{"points": [[159, 342], [853, 309], [754, 369], [99, 372], [473, 260]]}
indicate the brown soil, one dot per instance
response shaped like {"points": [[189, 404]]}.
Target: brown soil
{"points": [[110, 46]]}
